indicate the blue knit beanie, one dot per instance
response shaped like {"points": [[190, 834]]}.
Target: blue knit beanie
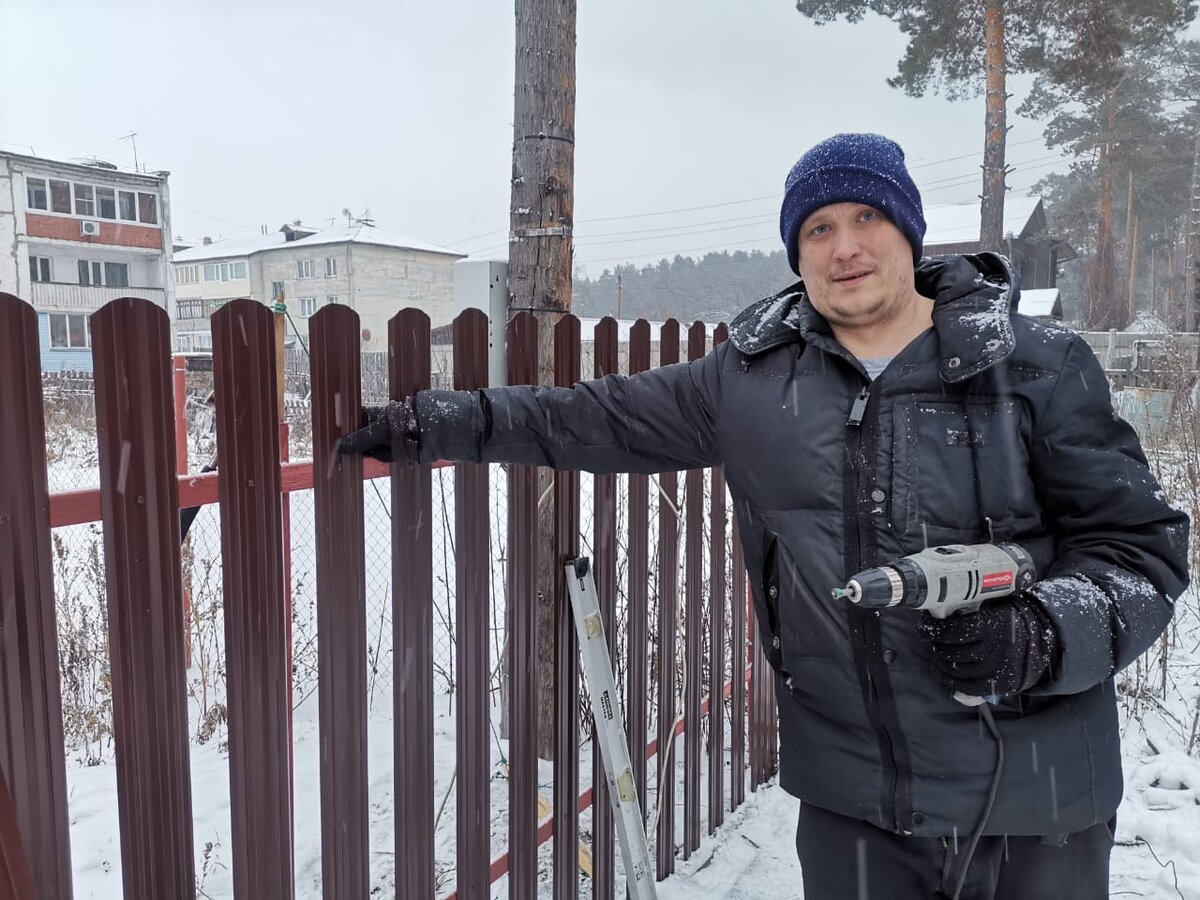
{"points": [[852, 168]]}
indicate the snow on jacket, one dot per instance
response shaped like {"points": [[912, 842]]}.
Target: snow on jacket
{"points": [[988, 425]]}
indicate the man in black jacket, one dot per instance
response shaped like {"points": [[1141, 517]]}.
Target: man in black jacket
{"points": [[882, 405]]}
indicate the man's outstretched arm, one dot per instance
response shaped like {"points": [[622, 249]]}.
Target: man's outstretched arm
{"points": [[660, 420]]}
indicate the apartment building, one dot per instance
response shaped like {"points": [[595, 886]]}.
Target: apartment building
{"points": [[372, 270], [76, 235]]}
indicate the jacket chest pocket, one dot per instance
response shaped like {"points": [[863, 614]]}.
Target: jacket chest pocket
{"points": [[956, 463]]}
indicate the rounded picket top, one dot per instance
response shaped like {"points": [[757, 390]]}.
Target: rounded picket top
{"points": [[606, 336], [697, 339], [567, 351], [131, 306], [409, 352], [338, 314], [470, 317], [14, 302], [130, 324], [720, 334], [410, 318], [522, 342], [17, 319]]}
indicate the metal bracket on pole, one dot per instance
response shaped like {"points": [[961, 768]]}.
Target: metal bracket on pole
{"points": [[610, 731]]}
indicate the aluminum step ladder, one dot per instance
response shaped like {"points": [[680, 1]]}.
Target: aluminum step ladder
{"points": [[610, 731]]}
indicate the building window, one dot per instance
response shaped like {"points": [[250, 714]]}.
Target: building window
{"points": [[85, 200], [189, 309], [304, 268], [106, 203], [148, 208], [60, 196], [331, 299], [39, 268], [308, 307], [127, 206], [276, 290], [116, 274], [69, 331], [331, 267], [93, 273], [224, 271], [36, 196], [187, 274]]}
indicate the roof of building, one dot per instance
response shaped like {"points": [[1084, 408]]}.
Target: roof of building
{"points": [[228, 248], [97, 167], [959, 224], [338, 234], [1038, 302], [368, 234]]}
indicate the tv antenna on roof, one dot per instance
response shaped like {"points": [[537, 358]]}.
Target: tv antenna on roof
{"points": [[131, 137]]}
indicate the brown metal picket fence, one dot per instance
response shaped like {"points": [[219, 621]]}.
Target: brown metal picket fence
{"points": [[137, 503]]}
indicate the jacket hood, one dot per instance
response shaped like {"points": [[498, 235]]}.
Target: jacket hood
{"points": [[974, 297]]}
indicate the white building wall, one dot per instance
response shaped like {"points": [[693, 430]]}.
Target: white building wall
{"points": [[14, 272], [386, 280]]}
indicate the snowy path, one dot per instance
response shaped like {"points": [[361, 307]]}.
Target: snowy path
{"points": [[754, 855]]}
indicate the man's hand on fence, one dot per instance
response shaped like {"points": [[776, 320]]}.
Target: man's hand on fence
{"points": [[1006, 647], [388, 433]]}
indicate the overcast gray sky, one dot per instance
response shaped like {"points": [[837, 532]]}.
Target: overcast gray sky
{"points": [[266, 111]]}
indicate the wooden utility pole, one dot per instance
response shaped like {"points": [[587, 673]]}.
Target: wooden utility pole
{"points": [[539, 255], [1130, 228], [991, 210]]}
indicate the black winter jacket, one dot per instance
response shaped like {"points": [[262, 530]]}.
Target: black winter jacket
{"points": [[990, 424]]}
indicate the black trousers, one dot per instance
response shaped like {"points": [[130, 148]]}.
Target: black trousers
{"points": [[847, 859]]}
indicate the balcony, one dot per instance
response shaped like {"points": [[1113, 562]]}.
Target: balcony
{"points": [[54, 295]]}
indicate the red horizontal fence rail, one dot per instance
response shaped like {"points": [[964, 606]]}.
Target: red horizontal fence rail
{"points": [[139, 498]]}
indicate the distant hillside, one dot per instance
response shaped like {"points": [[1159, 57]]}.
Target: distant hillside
{"points": [[712, 289]]}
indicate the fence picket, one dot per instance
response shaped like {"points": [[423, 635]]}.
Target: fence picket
{"points": [[139, 500], [566, 653], [341, 605], [668, 592], [521, 610], [604, 549], [471, 515], [638, 557], [693, 626], [412, 626], [32, 758], [256, 619]]}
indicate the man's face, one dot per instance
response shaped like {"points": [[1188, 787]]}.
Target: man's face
{"points": [[856, 265]]}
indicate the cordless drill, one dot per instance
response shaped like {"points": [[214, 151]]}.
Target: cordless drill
{"points": [[955, 578]]}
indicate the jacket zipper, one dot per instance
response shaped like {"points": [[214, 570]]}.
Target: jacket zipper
{"points": [[854, 434]]}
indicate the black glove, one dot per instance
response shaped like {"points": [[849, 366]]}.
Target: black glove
{"points": [[1005, 648], [388, 434]]}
